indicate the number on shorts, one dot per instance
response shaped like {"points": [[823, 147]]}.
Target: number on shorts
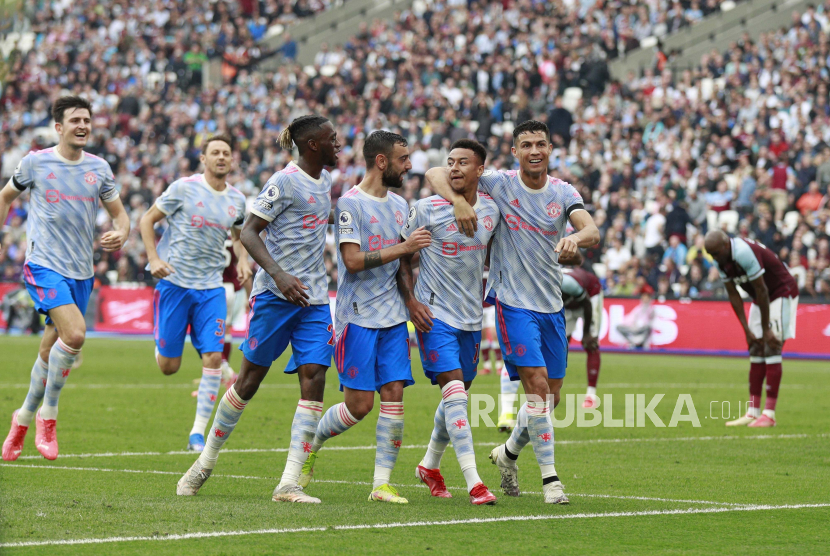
{"points": [[220, 327], [475, 357], [408, 350], [331, 329]]}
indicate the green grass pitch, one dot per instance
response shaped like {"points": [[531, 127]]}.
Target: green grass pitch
{"points": [[633, 490]]}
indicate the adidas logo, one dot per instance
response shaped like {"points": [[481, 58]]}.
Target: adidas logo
{"points": [[51, 176], [200, 204], [515, 203], [311, 200], [374, 220], [452, 228]]}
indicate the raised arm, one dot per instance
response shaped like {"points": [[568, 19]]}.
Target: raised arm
{"points": [[439, 181]]}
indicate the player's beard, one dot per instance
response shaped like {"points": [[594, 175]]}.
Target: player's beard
{"points": [[392, 179]]}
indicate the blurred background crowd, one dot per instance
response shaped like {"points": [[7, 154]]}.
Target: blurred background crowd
{"points": [[739, 141]]}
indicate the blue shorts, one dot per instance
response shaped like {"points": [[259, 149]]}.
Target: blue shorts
{"points": [[445, 348], [531, 339], [49, 289], [274, 322], [175, 308], [368, 358]]}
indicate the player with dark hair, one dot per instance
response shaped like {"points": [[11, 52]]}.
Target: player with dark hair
{"points": [[189, 262], [372, 352], [65, 186], [445, 307], [289, 301], [774, 294], [525, 285]]}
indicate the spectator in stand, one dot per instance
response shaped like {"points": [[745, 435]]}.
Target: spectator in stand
{"points": [[811, 201], [676, 251], [720, 199], [617, 256]]}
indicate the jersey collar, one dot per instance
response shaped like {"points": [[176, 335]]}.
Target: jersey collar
{"points": [[222, 193], [66, 160], [297, 166], [372, 197], [531, 190]]}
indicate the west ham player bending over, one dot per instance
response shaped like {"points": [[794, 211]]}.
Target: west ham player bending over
{"points": [[524, 284], [372, 351], [774, 293], [446, 310], [289, 302], [188, 263], [65, 185]]}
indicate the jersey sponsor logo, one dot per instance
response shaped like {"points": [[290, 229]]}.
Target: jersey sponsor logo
{"points": [[452, 227], [197, 221], [345, 218], [375, 243], [399, 217], [553, 209], [450, 248], [51, 176], [515, 203], [516, 223], [272, 192], [263, 204], [311, 221], [53, 196], [91, 178], [232, 212], [311, 200], [521, 350], [374, 220], [488, 223], [200, 204]]}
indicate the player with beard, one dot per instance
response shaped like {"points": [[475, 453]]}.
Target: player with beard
{"points": [[372, 352], [289, 301]]}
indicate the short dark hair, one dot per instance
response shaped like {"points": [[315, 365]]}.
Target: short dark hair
{"points": [[472, 145], [220, 137], [531, 126], [299, 131], [66, 103], [380, 142]]}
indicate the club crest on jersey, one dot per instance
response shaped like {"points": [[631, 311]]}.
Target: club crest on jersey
{"points": [[488, 223], [52, 196], [345, 218], [554, 209], [399, 217], [232, 212], [91, 178]]}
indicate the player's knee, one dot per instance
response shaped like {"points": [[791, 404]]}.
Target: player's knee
{"points": [[212, 360], [537, 388], [169, 366], [74, 338], [756, 351], [555, 397], [360, 408], [770, 351]]}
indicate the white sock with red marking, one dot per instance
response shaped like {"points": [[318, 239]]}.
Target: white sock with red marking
{"points": [[336, 421], [208, 392], [227, 416], [458, 428], [61, 359], [37, 389], [388, 437], [303, 428]]}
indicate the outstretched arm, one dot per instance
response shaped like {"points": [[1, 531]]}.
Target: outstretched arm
{"points": [[357, 260], [439, 181]]}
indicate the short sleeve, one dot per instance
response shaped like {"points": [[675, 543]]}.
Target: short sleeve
{"points": [[571, 199], [22, 177], [746, 259], [276, 196], [172, 199], [571, 287], [108, 192], [348, 218], [240, 211], [418, 217], [490, 180]]}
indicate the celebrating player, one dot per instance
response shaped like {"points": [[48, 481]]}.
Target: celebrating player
{"points": [[372, 352], [65, 184], [525, 286], [446, 310], [188, 263], [582, 297], [774, 294], [289, 301]]}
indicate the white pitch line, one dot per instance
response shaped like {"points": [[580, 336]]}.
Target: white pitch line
{"points": [[423, 446], [357, 483], [473, 521]]}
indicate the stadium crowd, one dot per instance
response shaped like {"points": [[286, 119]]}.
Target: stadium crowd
{"points": [[741, 140]]}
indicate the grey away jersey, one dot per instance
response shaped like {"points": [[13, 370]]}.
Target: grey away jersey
{"points": [[198, 219], [60, 229], [451, 278], [369, 298]]}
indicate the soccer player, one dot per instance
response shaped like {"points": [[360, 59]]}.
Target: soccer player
{"points": [[289, 301], [582, 297], [65, 185], [445, 308], [188, 264], [372, 352], [774, 293], [524, 284]]}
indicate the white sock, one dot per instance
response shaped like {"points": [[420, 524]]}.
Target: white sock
{"points": [[208, 392], [388, 437], [592, 392], [754, 412], [61, 358], [437, 441], [303, 427], [770, 413], [37, 389]]}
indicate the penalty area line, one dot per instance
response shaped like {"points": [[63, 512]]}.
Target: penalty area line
{"points": [[396, 525]]}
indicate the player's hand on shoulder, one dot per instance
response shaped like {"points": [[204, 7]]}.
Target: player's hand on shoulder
{"points": [[417, 240], [113, 240], [466, 217], [292, 288], [160, 269], [420, 315]]}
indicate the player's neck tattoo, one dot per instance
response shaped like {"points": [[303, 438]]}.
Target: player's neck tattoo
{"points": [[372, 260]]}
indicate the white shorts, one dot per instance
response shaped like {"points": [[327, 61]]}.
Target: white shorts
{"points": [[572, 315], [489, 317], [781, 318]]}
